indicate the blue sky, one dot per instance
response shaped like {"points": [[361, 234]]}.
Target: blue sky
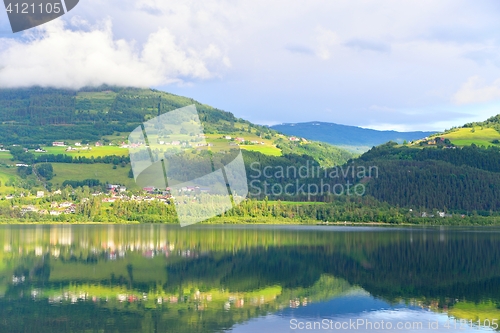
{"points": [[404, 65]]}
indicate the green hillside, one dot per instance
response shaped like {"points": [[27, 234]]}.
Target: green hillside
{"points": [[96, 123], [464, 179], [486, 133], [103, 172], [480, 136], [450, 172], [38, 116]]}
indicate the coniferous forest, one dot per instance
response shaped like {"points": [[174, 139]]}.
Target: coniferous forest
{"points": [[390, 183]]}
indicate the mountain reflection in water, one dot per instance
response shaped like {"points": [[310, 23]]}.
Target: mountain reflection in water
{"points": [[158, 278]]}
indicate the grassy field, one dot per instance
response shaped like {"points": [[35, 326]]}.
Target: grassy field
{"points": [[219, 143], [103, 172], [266, 150], [95, 151], [5, 158], [478, 136], [472, 311], [5, 155], [6, 174]]}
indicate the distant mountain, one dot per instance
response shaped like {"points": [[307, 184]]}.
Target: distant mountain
{"points": [[348, 136]]}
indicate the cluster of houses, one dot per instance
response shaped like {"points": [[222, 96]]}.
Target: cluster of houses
{"points": [[438, 141], [175, 143], [75, 149], [55, 209], [243, 140], [440, 214], [114, 193], [76, 144]]}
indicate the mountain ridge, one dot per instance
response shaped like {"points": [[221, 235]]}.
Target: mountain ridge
{"points": [[347, 135]]}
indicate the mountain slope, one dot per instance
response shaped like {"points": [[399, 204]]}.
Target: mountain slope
{"points": [[36, 117], [461, 180], [343, 135], [485, 133]]}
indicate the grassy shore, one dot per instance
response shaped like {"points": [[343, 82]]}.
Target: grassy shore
{"points": [[253, 221]]}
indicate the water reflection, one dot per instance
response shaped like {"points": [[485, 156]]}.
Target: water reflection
{"points": [[156, 278]]}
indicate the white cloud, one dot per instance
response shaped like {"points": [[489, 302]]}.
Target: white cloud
{"points": [[60, 57], [476, 91], [327, 40], [267, 57]]}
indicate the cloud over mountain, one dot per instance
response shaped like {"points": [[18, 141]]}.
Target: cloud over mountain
{"points": [[59, 56]]}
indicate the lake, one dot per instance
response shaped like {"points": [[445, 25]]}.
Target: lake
{"points": [[163, 278]]}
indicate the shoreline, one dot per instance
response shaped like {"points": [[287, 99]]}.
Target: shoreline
{"points": [[247, 221]]}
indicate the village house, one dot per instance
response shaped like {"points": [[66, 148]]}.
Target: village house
{"points": [[29, 209], [110, 187], [40, 194], [148, 189], [70, 210], [58, 144], [443, 214]]}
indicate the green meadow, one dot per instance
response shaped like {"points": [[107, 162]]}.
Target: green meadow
{"points": [[103, 172], [476, 311], [93, 151], [5, 155], [468, 136], [6, 175], [264, 149]]}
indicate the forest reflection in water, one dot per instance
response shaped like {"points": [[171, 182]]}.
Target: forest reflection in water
{"points": [[158, 278]]}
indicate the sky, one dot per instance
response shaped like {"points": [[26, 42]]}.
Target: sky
{"points": [[391, 64]]}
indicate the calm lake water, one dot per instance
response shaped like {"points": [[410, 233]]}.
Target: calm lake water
{"points": [[157, 278]]}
